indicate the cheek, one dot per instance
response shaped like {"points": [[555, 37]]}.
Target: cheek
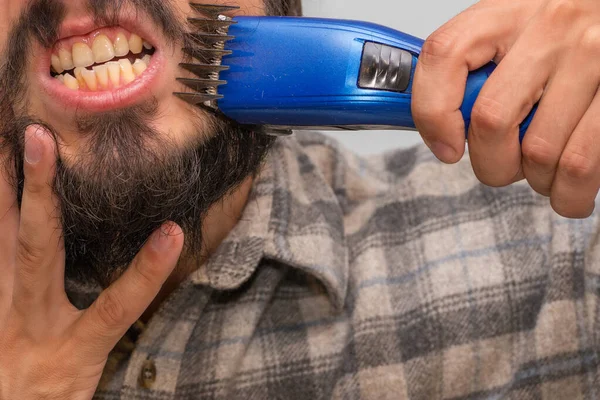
{"points": [[183, 124]]}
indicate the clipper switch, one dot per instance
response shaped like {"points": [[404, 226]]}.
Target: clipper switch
{"points": [[385, 68]]}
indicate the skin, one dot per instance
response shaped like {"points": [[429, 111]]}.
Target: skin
{"points": [[538, 43], [548, 52], [38, 325]]}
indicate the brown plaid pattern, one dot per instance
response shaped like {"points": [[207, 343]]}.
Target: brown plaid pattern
{"points": [[392, 277]]}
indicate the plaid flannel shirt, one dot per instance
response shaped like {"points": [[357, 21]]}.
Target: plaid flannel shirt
{"points": [[388, 277]]}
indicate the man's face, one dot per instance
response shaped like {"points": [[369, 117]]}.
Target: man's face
{"points": [[82, 41], [100, 74]]}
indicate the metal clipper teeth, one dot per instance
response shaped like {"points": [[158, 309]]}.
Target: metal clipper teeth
{"points": [[206, 46], [205, 55]]}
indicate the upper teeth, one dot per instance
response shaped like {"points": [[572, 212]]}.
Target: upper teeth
{"points": [[83, 55], [121, 45], [102, 50]]}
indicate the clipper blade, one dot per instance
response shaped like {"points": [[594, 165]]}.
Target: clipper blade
{"points": [[205, 49]]}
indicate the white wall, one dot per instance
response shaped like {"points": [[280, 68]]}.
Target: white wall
{"points": [[419, 18]]}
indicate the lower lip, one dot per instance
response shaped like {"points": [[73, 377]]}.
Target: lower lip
{"points": [[125, 96]]}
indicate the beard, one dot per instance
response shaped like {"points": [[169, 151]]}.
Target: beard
{"points": [[128, 179]]}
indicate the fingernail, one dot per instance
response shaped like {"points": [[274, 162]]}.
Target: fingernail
{"points": [[442, 151], [33, 144], [161, 237]]}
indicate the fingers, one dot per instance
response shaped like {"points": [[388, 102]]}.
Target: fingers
{"points": [[577, 180], [503, 103], [466, 43], [570, 92], [119, 306], [39, 256]]}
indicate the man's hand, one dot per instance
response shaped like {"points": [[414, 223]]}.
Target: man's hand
{"points": [[546, 49], [48, 348]]}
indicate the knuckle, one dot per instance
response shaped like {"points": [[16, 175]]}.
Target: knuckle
{"points": [[429, 114], [576, 165], [590, 40], [538, 151], [489, 116], [562, 11], [33, 187], [110, 309], [29, 255], [440, 45], [145, 273]]}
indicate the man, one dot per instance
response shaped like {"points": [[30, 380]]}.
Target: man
{"points": [[291, 268]]}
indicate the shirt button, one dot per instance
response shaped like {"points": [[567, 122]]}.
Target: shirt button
{"points": [[148, 374]]}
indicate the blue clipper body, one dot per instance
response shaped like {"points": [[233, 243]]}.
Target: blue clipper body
{"points": [[309, 72]]}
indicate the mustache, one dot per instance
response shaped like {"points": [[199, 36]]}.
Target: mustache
{"points": [[40, 21], [106, 12], [127, 177], [42, 18]]}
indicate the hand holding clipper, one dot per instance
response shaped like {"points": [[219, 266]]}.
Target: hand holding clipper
{"points": [[304, 73]]}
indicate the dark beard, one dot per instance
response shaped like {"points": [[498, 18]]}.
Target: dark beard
{"points": [[129, 179]]}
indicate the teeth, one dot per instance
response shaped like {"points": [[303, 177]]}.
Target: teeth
{"points": [[103, 49], [121, 45], [71, 82], [114, 73], [66, 59], [135, 44], [139, 67], [82, 55], [56, 64], [90, 79], [79, 76], [126, 71], [102, 75]]}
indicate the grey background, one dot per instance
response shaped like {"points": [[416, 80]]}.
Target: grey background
{"points": [[419, 18]]}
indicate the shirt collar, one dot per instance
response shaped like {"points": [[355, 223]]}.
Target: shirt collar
{"points": [[293, 217]]}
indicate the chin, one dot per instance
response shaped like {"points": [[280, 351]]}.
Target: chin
{"points": [[131, 156]]}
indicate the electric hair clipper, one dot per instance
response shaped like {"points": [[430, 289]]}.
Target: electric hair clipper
{"points": [[287, 73]]}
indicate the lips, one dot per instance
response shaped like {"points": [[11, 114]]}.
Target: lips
{"points": [[97, 69], [104, 60]]}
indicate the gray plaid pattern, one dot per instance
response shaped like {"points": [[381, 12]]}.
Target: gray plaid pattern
{"points": [[391, 277]]}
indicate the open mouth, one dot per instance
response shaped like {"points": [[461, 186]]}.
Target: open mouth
{"points": [[103, 60], [98, 69]]}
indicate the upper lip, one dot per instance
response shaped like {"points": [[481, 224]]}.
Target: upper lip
{"points": [[127, 20]]}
